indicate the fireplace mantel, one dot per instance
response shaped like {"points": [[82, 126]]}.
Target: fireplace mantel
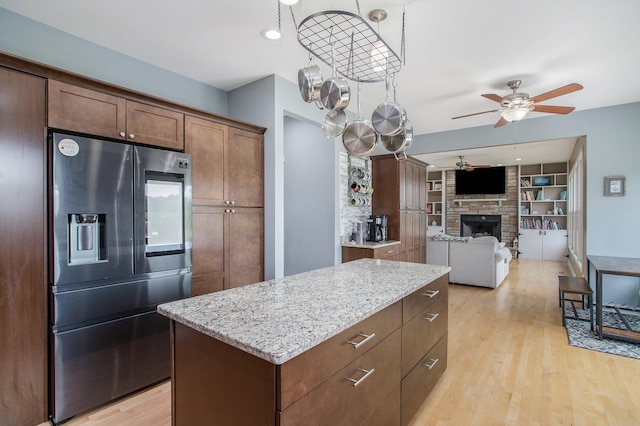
{"points": [[461, 201]]}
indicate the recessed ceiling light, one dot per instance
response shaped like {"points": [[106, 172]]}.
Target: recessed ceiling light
{"points": [[271, 33], [289, 2], [518, 159]]}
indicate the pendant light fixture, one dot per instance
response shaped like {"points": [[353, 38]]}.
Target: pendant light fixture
{"points": [[379, 49]]}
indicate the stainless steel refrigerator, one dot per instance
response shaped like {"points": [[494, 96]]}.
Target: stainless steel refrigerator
{"points": [[121, 245]]}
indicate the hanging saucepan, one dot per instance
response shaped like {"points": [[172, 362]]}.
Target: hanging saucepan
{"points": [[389, 117], [400, 142], [310, 82], [335, 92], [334, 123], [359, 137]]}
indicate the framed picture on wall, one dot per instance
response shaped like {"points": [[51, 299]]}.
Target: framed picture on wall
{"points": [[614, 186]]}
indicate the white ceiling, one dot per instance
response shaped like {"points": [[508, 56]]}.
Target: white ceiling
{"points": [[456, 50]]}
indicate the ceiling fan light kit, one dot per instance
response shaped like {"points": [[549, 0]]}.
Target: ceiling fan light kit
{"points": [[514, 113], [516, 105]]}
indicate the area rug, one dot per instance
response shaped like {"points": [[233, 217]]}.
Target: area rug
{"points": [[580, 334]]}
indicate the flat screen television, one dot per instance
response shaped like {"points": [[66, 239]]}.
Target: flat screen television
{"points": [[490, 180]]}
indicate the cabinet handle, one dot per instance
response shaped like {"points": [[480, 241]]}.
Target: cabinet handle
{"points": [[365, 340], [229, 210], [389, 251], [432, 317], [123, 134], [433, 363], [132, 136], [431, 293], [233, 203], [367, 374]]}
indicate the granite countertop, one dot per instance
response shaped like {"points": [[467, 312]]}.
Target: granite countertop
{"points": [[371, 244], [279, 319]]}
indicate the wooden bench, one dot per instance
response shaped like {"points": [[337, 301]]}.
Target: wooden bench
{"points": [[579, 286]]}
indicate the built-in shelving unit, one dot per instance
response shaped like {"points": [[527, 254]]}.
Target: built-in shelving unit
{"points": [[435, 207], [542, 211]]}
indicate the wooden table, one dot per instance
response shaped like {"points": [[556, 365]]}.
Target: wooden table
{"points": [[609, 265]]}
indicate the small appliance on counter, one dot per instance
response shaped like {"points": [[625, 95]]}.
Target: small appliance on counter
{"points": [[377, 227]]}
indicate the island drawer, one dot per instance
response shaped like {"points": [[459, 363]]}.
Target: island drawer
{"points": [[418, 300], [303, 373], [353, 393], [423, 331], [417, 385]]}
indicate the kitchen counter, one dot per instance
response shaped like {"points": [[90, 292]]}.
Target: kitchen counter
{"points": [[279, 319], [371, 244]]}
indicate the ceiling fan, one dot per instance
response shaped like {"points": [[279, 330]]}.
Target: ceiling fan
{"points": [[463, 165], [515, 106]]}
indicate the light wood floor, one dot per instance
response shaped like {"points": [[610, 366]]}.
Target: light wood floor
{"points": [[509, 364]]}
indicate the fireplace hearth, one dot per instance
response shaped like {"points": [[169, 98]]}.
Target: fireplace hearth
{"points": [[480, 225]]}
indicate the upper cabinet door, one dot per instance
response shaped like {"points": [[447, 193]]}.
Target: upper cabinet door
{"points": [[155, 126], [206, 142], [244, 175], [94, 113], [85, 111]]}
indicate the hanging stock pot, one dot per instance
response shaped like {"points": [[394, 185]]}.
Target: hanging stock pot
{"points": [[389, 117], [359, 137], [400, 142], [335, 92], [309, 82]]}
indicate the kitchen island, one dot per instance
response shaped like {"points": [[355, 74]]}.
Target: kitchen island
{"points": [[363, 342]]}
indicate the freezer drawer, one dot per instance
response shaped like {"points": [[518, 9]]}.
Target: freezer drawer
{"points": [[75, 306], [93, 365]]}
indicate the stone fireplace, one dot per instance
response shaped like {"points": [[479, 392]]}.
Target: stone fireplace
{"points": [[503, 205], [480, 225]]}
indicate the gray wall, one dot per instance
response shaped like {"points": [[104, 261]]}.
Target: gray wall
{"points": [[309, 200], [30, 39]]}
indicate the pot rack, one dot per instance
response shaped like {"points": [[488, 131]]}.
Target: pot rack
{"points": [[354, 42]]}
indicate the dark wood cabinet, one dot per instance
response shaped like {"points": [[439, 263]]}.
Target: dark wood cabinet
{"points": [[244, 179], [23, 285], [83, 110], [401, 194], [228, 214], [207, 143]]}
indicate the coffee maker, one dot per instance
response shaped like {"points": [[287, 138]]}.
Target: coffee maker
{"points": [[377, 227]]}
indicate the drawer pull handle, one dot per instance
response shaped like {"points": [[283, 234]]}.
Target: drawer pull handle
{"points": [[389, 251], [367, 374], [433, 363], [367, 337], [432, 317], [431, 293]]}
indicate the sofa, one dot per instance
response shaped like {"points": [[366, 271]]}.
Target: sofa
{"points": [[482, 261]]}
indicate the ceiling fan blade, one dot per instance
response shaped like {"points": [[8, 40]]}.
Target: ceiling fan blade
{"points": [[501, 122], [471, 115], [553, 109], [569, 88], [481, 166], [493, 97]]}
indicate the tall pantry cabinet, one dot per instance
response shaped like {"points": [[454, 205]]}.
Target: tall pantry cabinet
{"points": [[228, 205], [401, 194], [23, 285]]}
